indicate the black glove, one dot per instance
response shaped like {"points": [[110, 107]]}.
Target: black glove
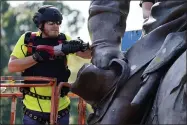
{"points": [[64, 91], [74, 46], [71, 46], [41, 56]]}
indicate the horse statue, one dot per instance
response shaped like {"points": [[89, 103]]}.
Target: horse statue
{"points": [[148, 84]]}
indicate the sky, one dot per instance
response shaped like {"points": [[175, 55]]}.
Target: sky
{"points": [[134, 19]]}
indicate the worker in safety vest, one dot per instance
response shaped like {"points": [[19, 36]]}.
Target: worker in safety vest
{"points": [[45, 53]]}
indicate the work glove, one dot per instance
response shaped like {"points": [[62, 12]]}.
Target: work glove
{"points": [[71, 46], [41, 56], [63, 49], [64, 91]]}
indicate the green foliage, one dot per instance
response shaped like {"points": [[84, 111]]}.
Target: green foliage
{"points": [[14, 22], [17, 20], [4, 6], [5, 110], [5, 105]]}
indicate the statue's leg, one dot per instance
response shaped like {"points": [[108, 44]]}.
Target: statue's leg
{"points": [[120, 111], [171, 100]]}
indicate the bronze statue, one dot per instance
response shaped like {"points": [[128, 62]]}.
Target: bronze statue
{"points": [[146, 84]]}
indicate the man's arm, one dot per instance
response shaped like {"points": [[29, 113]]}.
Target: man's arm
{"points": [[18, 62], [86, 54], [19, 65], [146, 7], [106, 24]]}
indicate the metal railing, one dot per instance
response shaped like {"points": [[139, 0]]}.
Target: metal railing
{"points": [[12, 81]]}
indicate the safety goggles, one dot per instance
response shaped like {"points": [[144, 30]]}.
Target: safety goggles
{"points": [[53, 23]]}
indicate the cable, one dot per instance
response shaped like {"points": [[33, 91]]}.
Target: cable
{"points": [[34, 87], [38, 100], [22, 49]]}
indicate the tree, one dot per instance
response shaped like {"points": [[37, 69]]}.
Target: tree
{"points": [[3, 49], [17, 20]]}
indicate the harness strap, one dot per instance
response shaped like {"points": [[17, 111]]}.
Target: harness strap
{"points": [[33, 115], [28, 92], [25, 91], [30, 49], [29, 37]]}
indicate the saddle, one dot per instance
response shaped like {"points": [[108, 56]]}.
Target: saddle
{"points": [[100, 87]]}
